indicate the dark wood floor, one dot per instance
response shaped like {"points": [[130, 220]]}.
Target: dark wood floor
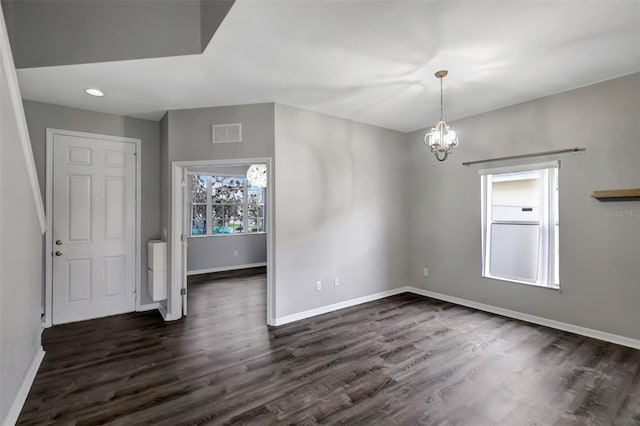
{"points": [[402, 360]]}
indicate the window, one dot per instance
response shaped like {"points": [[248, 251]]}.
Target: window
{"points": [[225, 205], [520, 225]]}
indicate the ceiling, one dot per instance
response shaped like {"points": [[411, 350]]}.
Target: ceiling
{"points": [[369, 61]]}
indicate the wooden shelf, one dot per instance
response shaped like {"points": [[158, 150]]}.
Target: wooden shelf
{"points": [[617, 194]]}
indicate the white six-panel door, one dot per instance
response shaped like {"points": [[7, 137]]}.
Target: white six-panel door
{"points": [[94, 228]]}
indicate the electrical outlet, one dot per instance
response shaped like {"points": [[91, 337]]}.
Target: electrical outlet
{"points": [[336, 281], [318, 285], [425, 272], [235, 252]]}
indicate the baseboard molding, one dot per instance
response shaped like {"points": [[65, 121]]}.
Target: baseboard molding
{"points": [[588, 332], [23, 392], [583, 331], [226, 268], [165, 314], [337, 306], [163, 311]]}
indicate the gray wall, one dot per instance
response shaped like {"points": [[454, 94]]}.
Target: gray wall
{"points": [[341, 209], [189, 138], [218, 251], [599, 252], [190, 132], [40, 116], [60, 32], [20, 259]]}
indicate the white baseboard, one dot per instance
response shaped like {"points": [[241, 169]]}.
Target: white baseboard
{"points": [[596, 334], [23, 392], [336, 306], [163, 311], [584, 331], [165, 314], [148, 307], [226, 268]]}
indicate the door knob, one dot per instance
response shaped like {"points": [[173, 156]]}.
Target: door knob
{"points": [[58, 242], [58, 253]]}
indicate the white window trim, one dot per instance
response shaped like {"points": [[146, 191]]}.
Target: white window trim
{"points": [[521, 168], [547, 222]]}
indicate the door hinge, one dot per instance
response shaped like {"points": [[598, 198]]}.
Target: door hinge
{"points": [[183, 291]]}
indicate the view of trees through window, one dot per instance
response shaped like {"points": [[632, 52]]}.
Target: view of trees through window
{"points": [[225, 205]]}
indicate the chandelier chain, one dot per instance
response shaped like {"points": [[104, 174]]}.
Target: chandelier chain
{"points": [[441, 115]]}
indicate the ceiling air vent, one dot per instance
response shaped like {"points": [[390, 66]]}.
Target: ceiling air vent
{"points": [[223, 133]]}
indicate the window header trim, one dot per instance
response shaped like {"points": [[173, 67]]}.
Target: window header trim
{"points": [[521, 168]]}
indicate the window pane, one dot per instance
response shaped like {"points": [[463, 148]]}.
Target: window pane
{"points": [[556, 230], [199, 220], [255, 213], [256, 225], [227, 190], [514, 251], [199, 189], [217, 218], [556, 272], [257, 193], [555, 194], [516, 197], [226, 219], [234, 216]]}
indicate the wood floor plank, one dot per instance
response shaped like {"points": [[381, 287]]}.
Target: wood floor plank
{"points": [[402, 360]]}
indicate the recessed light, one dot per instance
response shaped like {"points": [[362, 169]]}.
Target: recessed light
{"points": [[94, 92]]}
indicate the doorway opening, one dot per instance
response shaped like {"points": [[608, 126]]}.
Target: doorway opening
{"points": [[221, 229]]}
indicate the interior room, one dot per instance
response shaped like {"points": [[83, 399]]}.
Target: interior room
{"points": [[347, 212], [223, 202], [226, 231]]}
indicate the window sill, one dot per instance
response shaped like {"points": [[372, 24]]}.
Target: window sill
{"points": [[508, 280], [237, 234]]}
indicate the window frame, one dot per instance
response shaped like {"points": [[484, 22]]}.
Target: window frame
{"points": [[547, 220], [210, 204]]}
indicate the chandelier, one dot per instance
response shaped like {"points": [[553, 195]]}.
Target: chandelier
{"points": [[441, 140], [257, 175]]}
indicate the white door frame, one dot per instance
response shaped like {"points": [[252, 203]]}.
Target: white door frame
{"points": [[178, 267], [48, 247]]}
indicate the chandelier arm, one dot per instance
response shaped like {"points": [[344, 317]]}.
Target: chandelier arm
{"points": [[443, 158]]}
